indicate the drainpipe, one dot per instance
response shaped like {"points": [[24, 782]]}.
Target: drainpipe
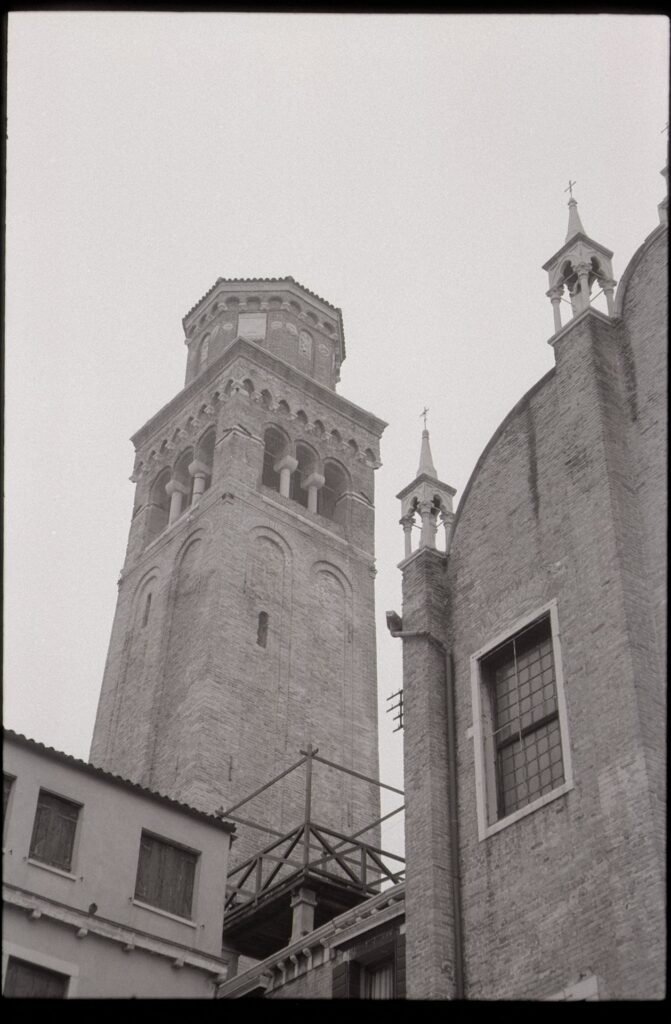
{"points": [[394, 624]]}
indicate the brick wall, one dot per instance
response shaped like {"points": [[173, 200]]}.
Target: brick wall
{"points": [[565, 504]]}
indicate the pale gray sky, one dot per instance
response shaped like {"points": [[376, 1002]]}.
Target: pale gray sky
{"points": [[410, 169]]}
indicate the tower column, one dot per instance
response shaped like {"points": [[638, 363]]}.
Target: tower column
{"points": [[312, 485], [199, 471], [555, 294], [407, 523], [177, 491], [285, 467], [608, 290], [582, 271], [447, 519], [303, 903], [428, 538]]}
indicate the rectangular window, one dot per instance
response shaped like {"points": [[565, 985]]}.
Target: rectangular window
{"points": [[165, 875], [24, 980], [520, 722], [54, 830]]}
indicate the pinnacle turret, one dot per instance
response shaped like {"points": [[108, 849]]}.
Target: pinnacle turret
{"points": [[580, 263], [428, 497]]}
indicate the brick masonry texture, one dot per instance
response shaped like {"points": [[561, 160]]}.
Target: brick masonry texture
{"points": [[191, 705], [567, 503]]}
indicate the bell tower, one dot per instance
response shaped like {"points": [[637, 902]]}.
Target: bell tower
{"points": [[245, 625]]}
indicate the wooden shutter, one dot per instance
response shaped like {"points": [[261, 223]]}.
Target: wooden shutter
{"points": [[165, 876], [28, 981], [346, 980], [399, 967], [53, 836], [7, 782]]}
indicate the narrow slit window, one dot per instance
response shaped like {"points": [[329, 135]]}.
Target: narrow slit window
{"points": [[147, 610], [262, 629]]}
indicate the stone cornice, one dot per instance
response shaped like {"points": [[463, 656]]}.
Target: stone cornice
{"points": [[362, 918], [586, 314], [579, 237], [426, 477], [129, 938], [266, 360]]}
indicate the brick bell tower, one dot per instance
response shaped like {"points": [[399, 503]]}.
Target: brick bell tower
{"points": [[245, 621]]}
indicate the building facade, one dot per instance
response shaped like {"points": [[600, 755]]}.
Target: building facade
{"points": [[254, 506], [109, 890], [533, 661]]}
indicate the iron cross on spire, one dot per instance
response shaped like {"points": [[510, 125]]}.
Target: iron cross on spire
{"points": [[424, 414], [570, 188]]}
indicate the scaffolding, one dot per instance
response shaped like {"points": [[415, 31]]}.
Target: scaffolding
{"points": [[339, 870]]}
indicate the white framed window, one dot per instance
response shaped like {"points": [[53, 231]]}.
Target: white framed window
{"points": [[520, 725]]}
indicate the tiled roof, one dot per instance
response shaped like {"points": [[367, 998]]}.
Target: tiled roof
{"points": [[254, 280], [92, 769]]}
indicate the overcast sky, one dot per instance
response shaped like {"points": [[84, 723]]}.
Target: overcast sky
{"points": [[410, 169]]}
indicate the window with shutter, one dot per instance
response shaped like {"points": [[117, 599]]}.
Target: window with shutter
{"points": [[24, 980], [53, 837], [165, 875], [7, 782]]}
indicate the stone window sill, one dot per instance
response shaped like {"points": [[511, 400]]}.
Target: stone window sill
{"points": [[163, 913], [529, 809], [52, 869]]}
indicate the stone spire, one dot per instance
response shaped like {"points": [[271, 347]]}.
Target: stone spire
{"points": [[574, 223], [428, 497], [580, 263], [425, 461]]}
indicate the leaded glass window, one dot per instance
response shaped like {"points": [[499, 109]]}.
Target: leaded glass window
{"points": [[527, 748]]}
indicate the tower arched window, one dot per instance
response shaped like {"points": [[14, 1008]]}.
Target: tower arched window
{"points": [[159, 506], [335, 486], [274, 447]]}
